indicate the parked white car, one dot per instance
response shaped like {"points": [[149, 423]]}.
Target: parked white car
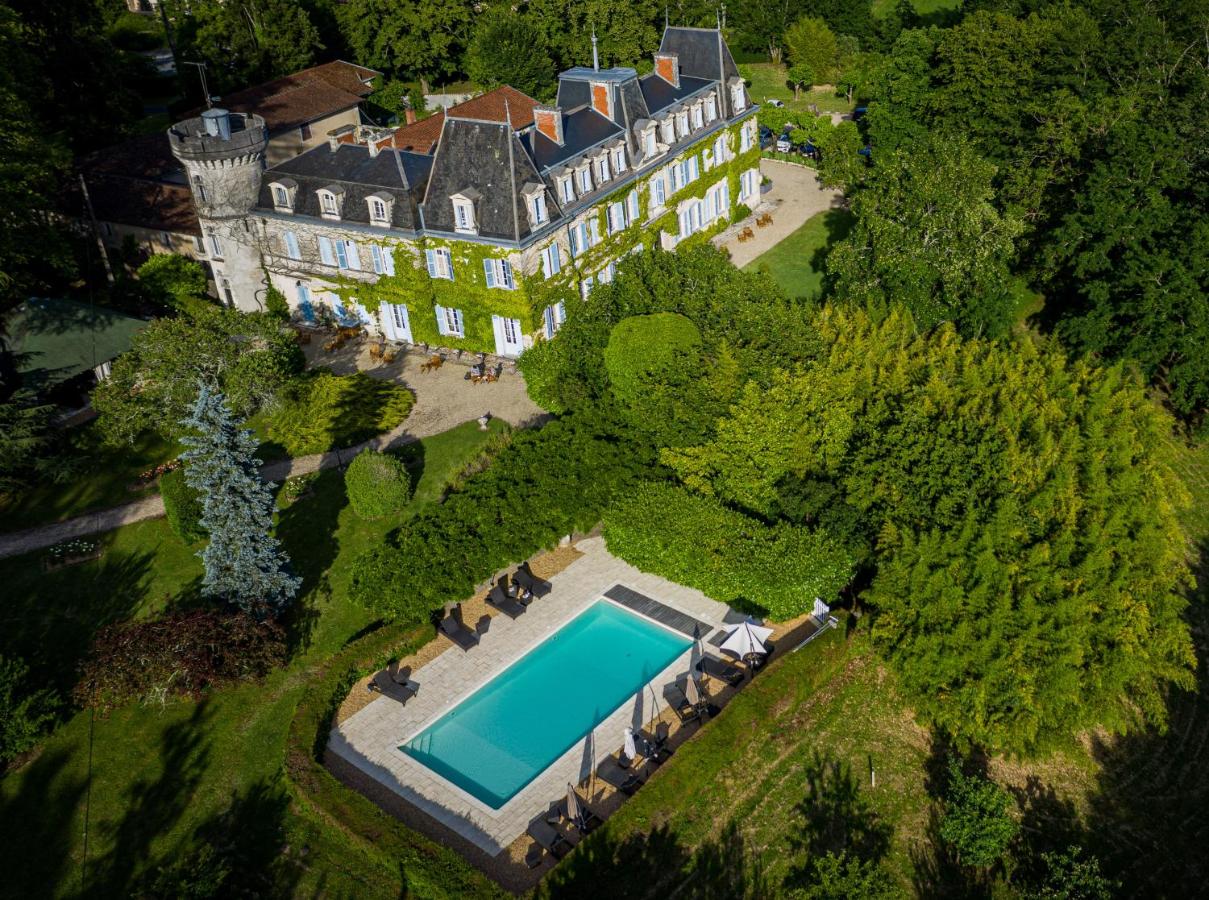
{"points": [[783, 144]]}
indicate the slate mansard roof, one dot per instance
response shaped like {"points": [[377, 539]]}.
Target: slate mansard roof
{"points": [[490, 150], [399, 175]]}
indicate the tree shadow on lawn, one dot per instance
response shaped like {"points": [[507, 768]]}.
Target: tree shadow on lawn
{"points": [[838, 223], [657, 863], [307, 529], [40, 825], [50, 618], [154, 804], [835, 818]]}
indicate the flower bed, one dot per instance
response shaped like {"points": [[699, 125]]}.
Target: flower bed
{"points": [[146, 479], [69, 553]]}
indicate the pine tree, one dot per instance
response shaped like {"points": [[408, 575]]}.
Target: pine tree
{"points": [[244, 564]]}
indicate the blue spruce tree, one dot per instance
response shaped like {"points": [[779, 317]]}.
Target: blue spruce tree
{"points": [[244, 563]]}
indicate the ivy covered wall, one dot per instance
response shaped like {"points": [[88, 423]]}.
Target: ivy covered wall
{"points": [[412, 286]]}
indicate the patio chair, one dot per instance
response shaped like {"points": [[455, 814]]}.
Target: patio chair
{"points": [[526, 579], [656, 745], [548, 839], [498, 598], [722, 669], [625, 780], [451, 626], [684, 710]]}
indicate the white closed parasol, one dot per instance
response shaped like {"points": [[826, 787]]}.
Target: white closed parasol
{"points": [[747, 639], [630, 750]]}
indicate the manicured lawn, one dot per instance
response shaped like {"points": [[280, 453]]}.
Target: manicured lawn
{"points": [[163, 777], [767, 82], [103, 480], [796, 264]]}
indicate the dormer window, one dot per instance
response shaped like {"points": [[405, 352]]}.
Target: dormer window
{"points": [[379, 209], [736, 96], [585, 180], [602, 168], [668, 131], [698, 121], [682, 123], [566, 189], [535, 200], [711, 108], [464, 220], [619, 159], [330, 200], [281, 197], [648, 143]]}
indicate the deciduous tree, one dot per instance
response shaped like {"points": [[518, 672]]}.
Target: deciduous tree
{"points": [[420, 38], [976, 822], [509, 48], [812, 44]]}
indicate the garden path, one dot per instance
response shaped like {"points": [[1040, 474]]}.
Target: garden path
{"points": [[793, 197], [443, 399]]}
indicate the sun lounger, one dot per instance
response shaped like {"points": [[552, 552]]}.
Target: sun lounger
{"points": [[721, 669], [505, 604], [685, 711], [453, 629], [625, 780], [591, 818], [549, 839], [526, 579]]}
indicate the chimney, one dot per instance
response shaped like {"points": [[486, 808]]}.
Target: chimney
{"points": [[409, 116], [549, 121], [595, 57], [337, 136], [602, 99], [667, 67]]}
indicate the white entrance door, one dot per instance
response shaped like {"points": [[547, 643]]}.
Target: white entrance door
{"points": [[507, 336], [395, 323]]}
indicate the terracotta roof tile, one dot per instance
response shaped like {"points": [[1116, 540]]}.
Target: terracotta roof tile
{"points": [[422, 136], [304, 96]]}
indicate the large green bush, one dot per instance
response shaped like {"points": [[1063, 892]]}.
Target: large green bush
{"points": [[182, 507], [545, 484], [696, 541], [323, 411], [173, 281], [656, 370], [377, 484], [25, 713]]}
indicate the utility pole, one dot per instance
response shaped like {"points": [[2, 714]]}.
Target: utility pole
{"points": [[96, 231]]}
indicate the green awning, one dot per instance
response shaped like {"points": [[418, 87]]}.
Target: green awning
{"points": [[55, 340]]}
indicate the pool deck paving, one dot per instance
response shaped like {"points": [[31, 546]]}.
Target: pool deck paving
{"points": [[369, 739]]}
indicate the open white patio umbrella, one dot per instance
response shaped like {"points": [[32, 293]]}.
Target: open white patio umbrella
{"points": [[747, 639], [630, 749], [574, 813]]}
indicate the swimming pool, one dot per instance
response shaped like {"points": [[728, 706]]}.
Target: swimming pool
{"points": [[510, 730]]}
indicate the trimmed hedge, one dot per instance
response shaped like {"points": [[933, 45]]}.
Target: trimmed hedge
{"points": [[545, 484], [428, 869], [182, 507], [377, 484], [322, 411], [696, 541]]}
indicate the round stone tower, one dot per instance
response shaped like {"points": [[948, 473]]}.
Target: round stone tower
{"points": [[223, 156]]}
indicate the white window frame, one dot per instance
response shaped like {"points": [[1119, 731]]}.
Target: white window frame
{"points": [[498, 273], [566, 188], [736, 97], [650, 142], [383, 259], [329, 204], [711, 108], [667, 130], [553, 317], [615, 217], [744, 139], [327, 253], [633, 207], [215, 245], [585, 180], [290, 240], [720, 149], [602, 169], [658, 191], [440, 263], [463, 216], [552, 262], [537, 206], [682, 129], [619, 159], [281, 196], [697, 118], [379, 211], [585, 287], [450, 322]]}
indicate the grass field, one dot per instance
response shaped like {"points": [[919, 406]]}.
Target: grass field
{"points": [[103, 479], [767, 82], [164, 779], [797, 263]]}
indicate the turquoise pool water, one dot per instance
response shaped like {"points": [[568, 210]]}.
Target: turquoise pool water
{"points": [[507, 732]]}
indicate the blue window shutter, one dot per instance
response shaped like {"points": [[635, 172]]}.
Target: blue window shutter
{"points": [[325, 252], [291, 245], [431, 257], [448, 264], [489, 271], [556, 255], [457, 318], [354, 258], [633, 202], [376, 253], [341, 255], [388, 261], [440, 317]]}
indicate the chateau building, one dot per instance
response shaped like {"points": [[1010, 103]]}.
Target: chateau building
{"points": [[478, 235]]}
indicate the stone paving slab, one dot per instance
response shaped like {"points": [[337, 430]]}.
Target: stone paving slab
{"points": [[370, 739]]}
